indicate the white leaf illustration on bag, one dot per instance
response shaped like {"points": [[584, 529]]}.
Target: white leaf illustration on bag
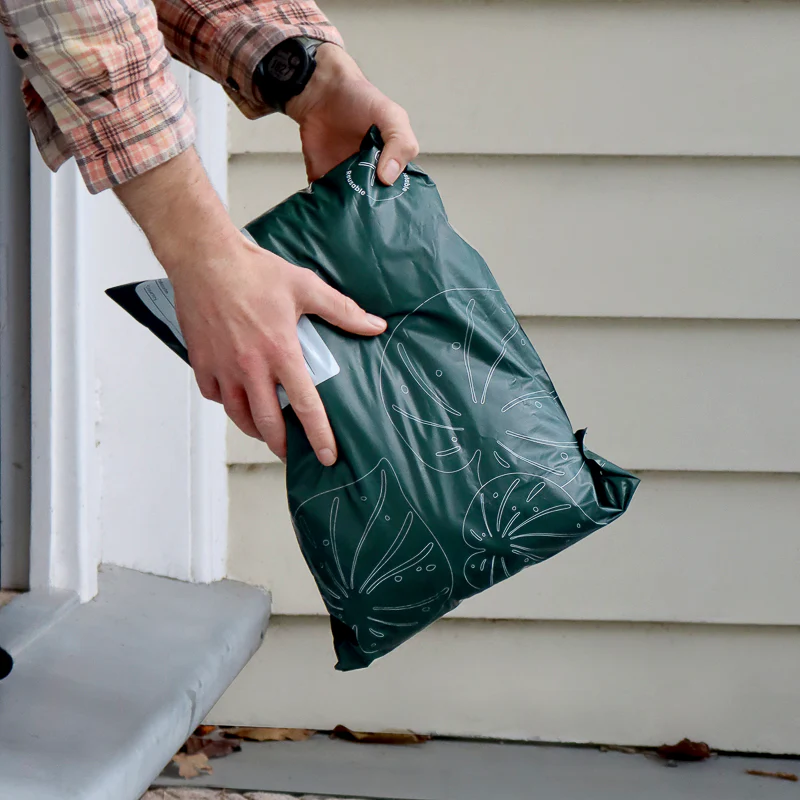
{"points": [[462, 385], [380, 569], [516, 520]]}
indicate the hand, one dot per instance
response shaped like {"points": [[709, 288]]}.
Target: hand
{"points": [[238, 313], [238, 305], [336, 110]]}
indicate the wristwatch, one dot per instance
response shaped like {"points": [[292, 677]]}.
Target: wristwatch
{"points": [[286, 70]]}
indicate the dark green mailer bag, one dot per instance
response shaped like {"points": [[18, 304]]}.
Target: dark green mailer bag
{"points": [[457, 463]]}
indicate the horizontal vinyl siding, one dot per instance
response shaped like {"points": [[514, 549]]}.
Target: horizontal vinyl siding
{"points": [[693, 547], [734, 688], [607, 237], [667, 394], [576, 76], [631, 173]]}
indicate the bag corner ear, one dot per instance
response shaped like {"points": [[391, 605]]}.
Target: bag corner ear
{"points": [[349, 655], [372, 138], [613, 485]]}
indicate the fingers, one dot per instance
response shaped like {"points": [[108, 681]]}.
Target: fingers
{"points": [[307, 404], [267, 415], [400, 143], [255, 410], [237, 407], [208, 385], [339, 310], [250, 399]]}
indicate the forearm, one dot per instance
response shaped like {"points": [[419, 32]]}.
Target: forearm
{"points": [[180, 212]]}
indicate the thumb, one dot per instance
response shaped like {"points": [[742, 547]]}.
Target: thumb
{"points": [[400, 144]]}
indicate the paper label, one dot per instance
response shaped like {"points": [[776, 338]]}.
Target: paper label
{"points": [[159, 298], [320, 362]]}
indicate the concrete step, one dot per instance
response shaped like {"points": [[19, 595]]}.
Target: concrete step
{"points": [[101, 699]]}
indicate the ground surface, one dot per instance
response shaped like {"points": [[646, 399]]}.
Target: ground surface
{"points": [[219, 794], [457, 770]]}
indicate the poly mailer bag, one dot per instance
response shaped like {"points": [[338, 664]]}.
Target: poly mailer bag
{"points": [[458, 466]]}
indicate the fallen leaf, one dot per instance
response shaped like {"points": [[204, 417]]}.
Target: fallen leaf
{"points": [[269, 734], [204, 730], [213, 747], [783, 776], [219, 748], [194, 744], [190, 766], [383, 737], [685, 750]]}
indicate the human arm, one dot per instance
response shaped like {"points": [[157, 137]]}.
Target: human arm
{"points": [[238, 305], [99, 89], [227, 40]]}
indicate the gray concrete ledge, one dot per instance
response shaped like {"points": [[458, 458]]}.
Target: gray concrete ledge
{"points": [[98, 703], [30, 615]]}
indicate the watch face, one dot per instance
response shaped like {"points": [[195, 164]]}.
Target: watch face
{"points": [[283, 65], [284, 71]]}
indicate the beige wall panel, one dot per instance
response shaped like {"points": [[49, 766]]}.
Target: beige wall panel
{"points": [[671, 395], [661, 291], [607, 237], [244, 449], [580, 77], [679, 395], [735, 688], [692, 548]]}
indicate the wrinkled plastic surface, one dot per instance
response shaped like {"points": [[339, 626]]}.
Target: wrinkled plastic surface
{"points": [[458, 466]]}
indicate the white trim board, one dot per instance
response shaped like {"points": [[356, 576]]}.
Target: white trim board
{"points": [[162, 446], [64, 482], [208, 422], [128, 460]]}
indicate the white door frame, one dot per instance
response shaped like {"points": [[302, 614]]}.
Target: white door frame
{"points": [[209, 467], [75, 395]]}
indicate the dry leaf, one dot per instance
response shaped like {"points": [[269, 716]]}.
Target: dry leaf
{"points": [[194, 744], [783, 776], [685, 750], [204, 730], [219, 748], [190, 766], [384, 737], [269, 734], [213, 747]]}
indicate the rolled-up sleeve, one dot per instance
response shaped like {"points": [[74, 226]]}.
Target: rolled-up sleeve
{"points": [[97, 86], [226, 39]]}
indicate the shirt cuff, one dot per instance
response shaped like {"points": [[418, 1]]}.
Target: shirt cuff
{"points": [[119, 146], [246, 40]]}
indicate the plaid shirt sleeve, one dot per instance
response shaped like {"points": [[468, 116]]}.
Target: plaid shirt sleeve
{"points": [[97, 83], [226, 39]]}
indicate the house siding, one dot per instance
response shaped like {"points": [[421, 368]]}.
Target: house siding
{"points": [[631, 172]]}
